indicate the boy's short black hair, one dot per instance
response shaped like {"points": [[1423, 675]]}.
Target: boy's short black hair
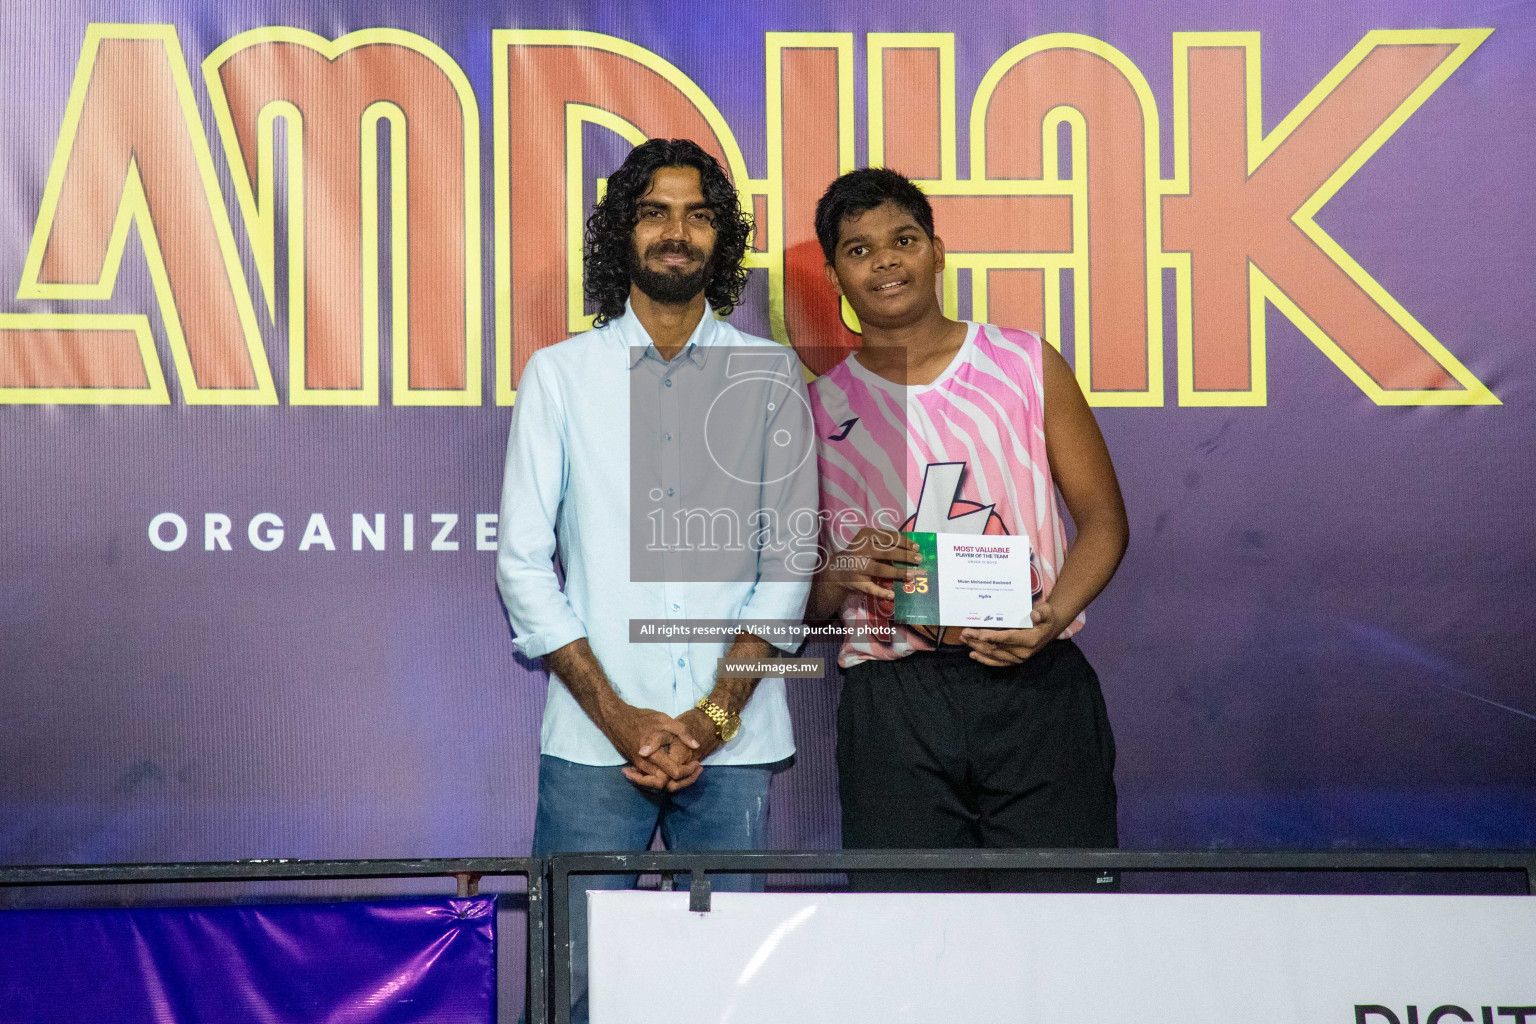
{"points": [[862, 190]]}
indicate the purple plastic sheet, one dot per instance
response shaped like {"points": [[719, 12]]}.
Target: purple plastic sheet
{"points": [[315, 963]]}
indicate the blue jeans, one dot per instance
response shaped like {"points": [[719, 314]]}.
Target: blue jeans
{"points": [[587, 808]]}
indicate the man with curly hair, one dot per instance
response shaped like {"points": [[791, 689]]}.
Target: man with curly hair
{"points": [[641, 735]]}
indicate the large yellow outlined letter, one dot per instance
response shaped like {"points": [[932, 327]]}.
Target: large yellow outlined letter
{"points": [[1240, 228], [333, 94], [132, 137]]}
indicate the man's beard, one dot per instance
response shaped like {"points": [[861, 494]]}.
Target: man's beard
{"points": [[667, 287]]}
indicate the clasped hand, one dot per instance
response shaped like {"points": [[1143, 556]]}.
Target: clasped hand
{"points": [[664, 753]]}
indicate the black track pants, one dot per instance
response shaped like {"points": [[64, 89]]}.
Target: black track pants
{"points": [[937, 751]]}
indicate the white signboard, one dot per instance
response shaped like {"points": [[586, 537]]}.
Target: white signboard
{"points": [[1091, 958]]}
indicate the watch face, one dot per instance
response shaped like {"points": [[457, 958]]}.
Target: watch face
{"points": [[729, 730]]}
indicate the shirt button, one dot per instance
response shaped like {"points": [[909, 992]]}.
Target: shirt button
{"points": [[669, 492], [676, 607], [682, 662], [666, 437], [668, 382]]}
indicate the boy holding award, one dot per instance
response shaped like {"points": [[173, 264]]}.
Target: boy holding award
{"points": [[943, 446]]}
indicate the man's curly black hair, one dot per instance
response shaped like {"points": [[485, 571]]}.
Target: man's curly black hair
{"points": [[610, 229]]}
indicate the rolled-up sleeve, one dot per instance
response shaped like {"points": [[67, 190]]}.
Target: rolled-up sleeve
{"points": [[787, 563], [531, 491]]}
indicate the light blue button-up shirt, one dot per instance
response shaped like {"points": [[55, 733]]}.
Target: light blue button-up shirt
{"points": [[568, 486]]}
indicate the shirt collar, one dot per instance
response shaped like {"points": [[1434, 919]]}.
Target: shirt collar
{"points": [[632, 333]]}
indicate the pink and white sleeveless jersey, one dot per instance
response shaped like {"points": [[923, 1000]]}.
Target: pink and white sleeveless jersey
{"points": [[964, 454]]}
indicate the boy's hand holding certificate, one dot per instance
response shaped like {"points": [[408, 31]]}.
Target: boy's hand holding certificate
{"points": [[968, 580]]}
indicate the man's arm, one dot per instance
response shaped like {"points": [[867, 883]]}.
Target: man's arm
{"points": [[784, 562], [1082, 469], [640, 734], [533, 486], [729, 695]]}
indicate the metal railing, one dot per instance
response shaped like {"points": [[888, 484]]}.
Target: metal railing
{"points": [[549, 883], [467, 871], [699, 866]]}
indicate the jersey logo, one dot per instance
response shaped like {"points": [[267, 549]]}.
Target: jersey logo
{"points": [[940, 509], [846, 426]]}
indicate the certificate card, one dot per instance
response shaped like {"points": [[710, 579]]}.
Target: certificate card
{"points": [[968, 580]]}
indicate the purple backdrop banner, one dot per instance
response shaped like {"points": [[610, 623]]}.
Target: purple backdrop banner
{"points": [[361, 963], [271, 269]]}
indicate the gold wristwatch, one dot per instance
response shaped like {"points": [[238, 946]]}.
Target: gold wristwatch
{"points": [[727, 724]]}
